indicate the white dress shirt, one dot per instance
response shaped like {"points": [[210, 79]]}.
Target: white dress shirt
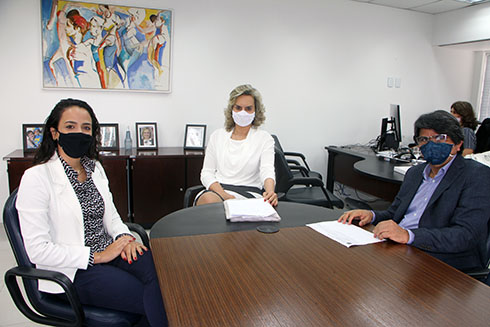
{"points": [[247, 162]]}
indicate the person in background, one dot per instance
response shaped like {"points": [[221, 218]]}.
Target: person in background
{"points": [[70, 224], [30, 140], [463, 111], [38, 137], [443, 205], [239, 160], [146, 137]]}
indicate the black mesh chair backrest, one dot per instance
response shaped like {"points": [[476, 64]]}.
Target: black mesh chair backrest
{"points": [[483, 137], [283, 172], [277, 143]]}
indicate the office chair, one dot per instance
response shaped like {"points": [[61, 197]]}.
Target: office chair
{"points": [[312, 190], [483, 274], [483, 137], [51, 310], [299, 169], [190, 195]]}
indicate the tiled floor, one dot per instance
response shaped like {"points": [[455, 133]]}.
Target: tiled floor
{"points": [[9, 314]]}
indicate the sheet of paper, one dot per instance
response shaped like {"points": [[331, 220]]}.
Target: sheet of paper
{"points": [[401, 169], [250, 210], [347, 235]]}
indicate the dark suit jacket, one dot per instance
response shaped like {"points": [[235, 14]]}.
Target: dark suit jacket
{"points": [[454, 225]]}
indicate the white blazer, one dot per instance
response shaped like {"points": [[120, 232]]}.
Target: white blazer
{"points": [[51, 219]]}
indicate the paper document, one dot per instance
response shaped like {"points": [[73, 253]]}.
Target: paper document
{"points": [[401, 169], [250, 210], [347, 235]]}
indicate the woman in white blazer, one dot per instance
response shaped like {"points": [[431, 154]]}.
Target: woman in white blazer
{"points": [[69, 222], [239, 161]]}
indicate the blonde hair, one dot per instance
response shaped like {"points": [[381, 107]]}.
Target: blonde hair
{"points": [[245, 89]]}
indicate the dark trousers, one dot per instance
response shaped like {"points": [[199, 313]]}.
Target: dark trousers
{"points": [[125, 287]]}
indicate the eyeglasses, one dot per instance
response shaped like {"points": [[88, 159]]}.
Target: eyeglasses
{"points": [[438, 138]]}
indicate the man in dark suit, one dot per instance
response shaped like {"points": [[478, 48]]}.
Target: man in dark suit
{"points": [[443, 206]]}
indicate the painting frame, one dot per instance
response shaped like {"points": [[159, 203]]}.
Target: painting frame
{"points": [[109, 136], [146, 141], [195, 137], [31, 144], [107, 47]]}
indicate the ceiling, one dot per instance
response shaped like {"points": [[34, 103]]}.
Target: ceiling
{"points": [[424, 6]]}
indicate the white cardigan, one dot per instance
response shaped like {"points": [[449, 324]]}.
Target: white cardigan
{"points": [[248, 162], [51, 219]]}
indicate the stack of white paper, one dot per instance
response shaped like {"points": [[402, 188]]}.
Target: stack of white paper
{"points": [[250, 210], [401, 169], [347, 235]]}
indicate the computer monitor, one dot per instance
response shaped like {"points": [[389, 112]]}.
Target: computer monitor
{"points": [[396, 125], [382, 136], [390, 138]]}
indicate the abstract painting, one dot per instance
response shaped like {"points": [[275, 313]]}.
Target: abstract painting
{"points": [[97, 46]]}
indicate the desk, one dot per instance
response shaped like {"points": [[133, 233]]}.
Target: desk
{"points": [[210, 219], [298, 277], [358, 167]]}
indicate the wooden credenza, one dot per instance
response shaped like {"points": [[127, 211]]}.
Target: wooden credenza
{"points": [[145, 185]]}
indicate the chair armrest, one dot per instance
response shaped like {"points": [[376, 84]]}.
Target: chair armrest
{"points": [[295, 154], [305, 181], [190, 194], [294, 162], [138, 229], [303, 170], [54, 276]]}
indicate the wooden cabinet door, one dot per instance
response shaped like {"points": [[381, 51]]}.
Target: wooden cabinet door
{"points": [[15, 170], [193, 173], [158, 186], [116, 171]]}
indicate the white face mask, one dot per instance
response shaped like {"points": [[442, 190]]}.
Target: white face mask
{"points": [[242, 118]]}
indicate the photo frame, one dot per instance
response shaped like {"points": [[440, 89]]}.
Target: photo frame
{"points": [[133, 46], [146, 136], [195, 137], [32, 136], [109, 137]]}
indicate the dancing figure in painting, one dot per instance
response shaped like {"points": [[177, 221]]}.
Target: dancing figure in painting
{"points": [[157, 42]]}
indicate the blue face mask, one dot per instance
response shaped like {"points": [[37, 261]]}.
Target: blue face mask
{"points": [[436, 153]]}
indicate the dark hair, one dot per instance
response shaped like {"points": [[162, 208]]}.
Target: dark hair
{"points": [[48, 145], [465, 110], [442, 122]]}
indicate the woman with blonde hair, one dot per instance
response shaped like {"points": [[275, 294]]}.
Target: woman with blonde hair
{"points": [[239, 161]]}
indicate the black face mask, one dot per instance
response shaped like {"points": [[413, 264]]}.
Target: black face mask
{"points": [[75, 145]]}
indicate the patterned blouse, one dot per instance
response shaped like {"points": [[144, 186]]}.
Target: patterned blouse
{"points": [[92, 205]]}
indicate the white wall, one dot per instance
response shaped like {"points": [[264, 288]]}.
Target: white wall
{"points": [[321, 66]]}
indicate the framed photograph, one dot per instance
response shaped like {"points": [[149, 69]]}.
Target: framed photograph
{"points": [[109, 137], [32, 135], [146, 136], [195, 135], [105, 46]]}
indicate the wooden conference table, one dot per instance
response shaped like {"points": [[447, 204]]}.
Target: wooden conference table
{"points": [[298, 277]]}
